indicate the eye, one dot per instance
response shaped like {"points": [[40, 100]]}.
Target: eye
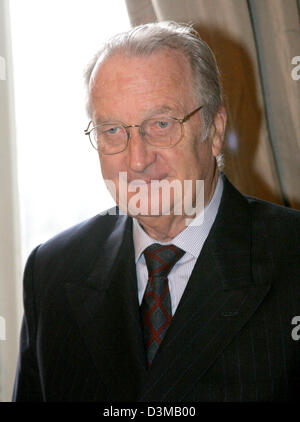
{"points": [[158, 126], [163, 124], [112, 130]]}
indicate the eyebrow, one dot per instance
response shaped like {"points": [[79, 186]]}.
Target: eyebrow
{"points": [[152, 112], [158, 110]]}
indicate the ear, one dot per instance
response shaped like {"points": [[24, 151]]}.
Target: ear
{"points": [[218, 131]]}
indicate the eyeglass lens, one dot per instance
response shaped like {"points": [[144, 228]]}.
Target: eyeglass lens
{"points": [[161, 132]]}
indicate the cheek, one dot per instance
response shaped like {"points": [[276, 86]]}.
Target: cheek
{"points": [[195, 160], [187, 160], [110, 167]]}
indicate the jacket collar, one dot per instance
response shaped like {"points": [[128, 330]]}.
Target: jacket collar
{"points": [[220, 297]]}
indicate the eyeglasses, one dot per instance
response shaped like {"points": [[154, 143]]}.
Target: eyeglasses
{"points": [[161, 132]]}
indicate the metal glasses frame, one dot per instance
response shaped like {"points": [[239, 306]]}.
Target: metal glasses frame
{"points": [[88, 131]]}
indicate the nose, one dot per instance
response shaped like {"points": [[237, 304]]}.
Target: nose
{"points": [[139, 153]]}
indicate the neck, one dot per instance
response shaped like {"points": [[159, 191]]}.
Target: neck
{"points": [[165, 227]]}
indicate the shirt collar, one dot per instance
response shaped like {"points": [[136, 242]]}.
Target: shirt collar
{"points": [[192, 238]]}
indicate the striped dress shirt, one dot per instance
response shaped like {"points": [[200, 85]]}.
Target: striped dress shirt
{"points": [[191, 240]]}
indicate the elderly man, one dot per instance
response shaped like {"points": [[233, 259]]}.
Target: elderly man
{"points": [[155, 300]]}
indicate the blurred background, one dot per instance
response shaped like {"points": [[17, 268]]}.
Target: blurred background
{"points": [[49, 175]]}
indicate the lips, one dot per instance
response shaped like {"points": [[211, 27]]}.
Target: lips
{"points": [[142, 181], [139, 182]]}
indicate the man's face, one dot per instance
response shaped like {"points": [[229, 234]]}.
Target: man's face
{"points": [[132, 89]]}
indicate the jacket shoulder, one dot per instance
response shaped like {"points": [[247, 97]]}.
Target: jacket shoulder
{"points": [[278, 224], [73, 251], [270, 212], [92, 230]]}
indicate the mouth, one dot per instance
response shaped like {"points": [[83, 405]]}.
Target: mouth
{"points": [[139, 182], [147, 181]]}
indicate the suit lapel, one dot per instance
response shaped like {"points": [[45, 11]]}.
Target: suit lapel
{"points": [[106, 309], [218, 301]]}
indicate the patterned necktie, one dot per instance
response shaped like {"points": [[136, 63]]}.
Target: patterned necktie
{"points": [[156, 311]]}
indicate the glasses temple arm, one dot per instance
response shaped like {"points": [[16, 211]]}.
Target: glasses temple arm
{"points": [[190, 114]]}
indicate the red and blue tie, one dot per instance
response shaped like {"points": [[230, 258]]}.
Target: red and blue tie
{"points": [[156, 310]]}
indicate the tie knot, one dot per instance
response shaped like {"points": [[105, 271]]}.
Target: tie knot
{"points": [[160, 259]]}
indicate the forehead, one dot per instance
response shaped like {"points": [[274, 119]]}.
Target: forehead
{"points": [[162, 79]]}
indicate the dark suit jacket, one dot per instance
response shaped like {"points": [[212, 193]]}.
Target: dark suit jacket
{"points": [[229, 340]]}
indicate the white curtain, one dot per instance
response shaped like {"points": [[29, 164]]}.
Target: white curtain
{"points": [[10, 261]]}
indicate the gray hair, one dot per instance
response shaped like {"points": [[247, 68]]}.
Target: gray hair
{"points": [[146, 39]]}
